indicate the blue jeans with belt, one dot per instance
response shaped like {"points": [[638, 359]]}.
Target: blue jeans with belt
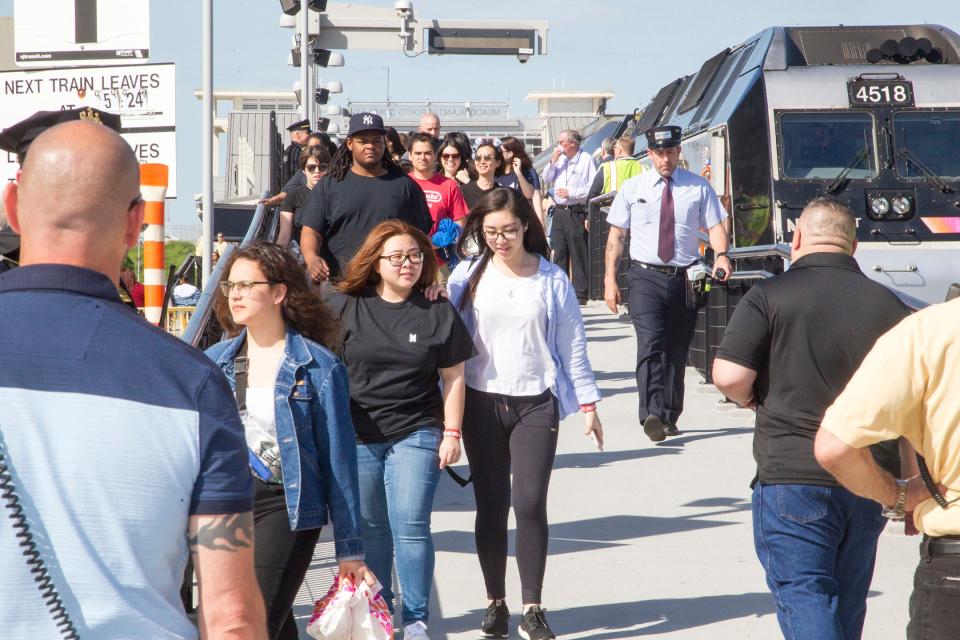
{"points": [[818, 546], [398, 479]]}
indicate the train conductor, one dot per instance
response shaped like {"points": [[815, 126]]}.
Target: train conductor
{"points": [[299, 134], [663, 209]]}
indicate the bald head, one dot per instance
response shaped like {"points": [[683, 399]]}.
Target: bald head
{"points": [[825, 225], [73, 197], [430, 123]]}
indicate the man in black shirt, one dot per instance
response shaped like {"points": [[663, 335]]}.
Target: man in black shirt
{"points": [[364, 188], [299, 134], [793, 343]]}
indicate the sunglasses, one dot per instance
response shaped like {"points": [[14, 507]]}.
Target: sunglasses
{"points": [[316, 167], [486, 158], [450, 156]]}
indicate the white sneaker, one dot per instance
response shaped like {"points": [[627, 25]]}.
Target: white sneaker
{"points": [[415, 631]]}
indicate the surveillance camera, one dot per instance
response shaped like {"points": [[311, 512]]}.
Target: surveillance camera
{"points": [[524, 55], [404, 8]]}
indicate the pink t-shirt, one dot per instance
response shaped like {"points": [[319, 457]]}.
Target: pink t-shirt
{"points": [[443, 198]]}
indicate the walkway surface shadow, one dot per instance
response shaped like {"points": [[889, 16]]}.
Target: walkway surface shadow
{"points": [[622, 620]]}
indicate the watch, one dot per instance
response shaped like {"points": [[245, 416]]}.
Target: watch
{"points": [[722, 254], [896, 511]]}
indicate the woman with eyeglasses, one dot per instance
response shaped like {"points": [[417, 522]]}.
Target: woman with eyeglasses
{"points": [[530, 373], [488, 163], [453, 160], [518, 172], [399, 347], [294, 401], [314, 162]]}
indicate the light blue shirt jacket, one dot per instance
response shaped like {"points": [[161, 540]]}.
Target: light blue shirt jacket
{"points": [[566, 338]]}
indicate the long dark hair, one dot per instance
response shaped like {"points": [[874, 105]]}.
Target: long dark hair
{"points": [[516, 147], [303, 310], [343, 160], [499, 199], [395, 145], [451, 142], [360, 272]]}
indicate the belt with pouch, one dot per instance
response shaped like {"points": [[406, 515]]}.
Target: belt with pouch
{"points": [[669, 270], [942, 545]]}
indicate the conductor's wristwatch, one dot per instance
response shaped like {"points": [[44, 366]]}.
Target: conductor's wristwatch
{"points": [[896, 511]]}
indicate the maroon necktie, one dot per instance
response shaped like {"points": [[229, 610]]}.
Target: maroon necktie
{"points": [[665, 247]]}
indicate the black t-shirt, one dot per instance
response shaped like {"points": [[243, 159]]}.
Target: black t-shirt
{"points": [[472, 192], [293, 202], [345, 211], [393, 352], [805, 333]]}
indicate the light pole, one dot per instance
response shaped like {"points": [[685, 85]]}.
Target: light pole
{"points": [[207, 158]]}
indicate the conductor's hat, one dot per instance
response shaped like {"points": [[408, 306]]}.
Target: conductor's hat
{"points": [[302, 125], [663, 137], [17, 137]]}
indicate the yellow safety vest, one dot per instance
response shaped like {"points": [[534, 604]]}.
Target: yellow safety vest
{"points": [[616, 171]]}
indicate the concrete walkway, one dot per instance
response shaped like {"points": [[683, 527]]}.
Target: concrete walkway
{"points": [[646, 541]]}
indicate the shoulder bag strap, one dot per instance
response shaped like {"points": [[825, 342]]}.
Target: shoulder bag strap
{"points": [[241, 365]]}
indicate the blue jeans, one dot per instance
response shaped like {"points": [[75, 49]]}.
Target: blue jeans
{"points": [[818, 546], [397, 481]]}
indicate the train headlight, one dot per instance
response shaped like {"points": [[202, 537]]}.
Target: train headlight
{"points": [[901, 205], [880, 206]]}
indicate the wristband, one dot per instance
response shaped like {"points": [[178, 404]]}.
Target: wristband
{"points": [[588, 408], [452, 433], [722, 254]]}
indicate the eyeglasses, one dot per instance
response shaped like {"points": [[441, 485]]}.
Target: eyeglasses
{"points": [[485, 157], [398, 259], [316, 167], [243, 287], [508, 234], [450, 156]]}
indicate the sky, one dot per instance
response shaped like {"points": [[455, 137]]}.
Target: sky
{"points": [[631, 47]]}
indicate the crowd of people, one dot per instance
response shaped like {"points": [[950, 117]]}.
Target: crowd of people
{"points": [[411, 309]]}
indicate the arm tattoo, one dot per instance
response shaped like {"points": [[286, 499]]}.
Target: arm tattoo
{"points": [[228, 532]]}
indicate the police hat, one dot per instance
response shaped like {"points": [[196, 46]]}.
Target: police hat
{"points": [[663, 137], [365, 122], [303, 125], [18, 137]]}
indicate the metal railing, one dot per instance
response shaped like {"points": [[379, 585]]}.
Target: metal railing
{"points": [[260, 228]]}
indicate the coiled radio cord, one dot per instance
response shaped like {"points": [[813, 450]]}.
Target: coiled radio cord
{"points": [[28, 547]]}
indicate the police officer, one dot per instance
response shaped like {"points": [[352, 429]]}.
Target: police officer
{"points": [[299, 133], [663, 209], [17, 139]]}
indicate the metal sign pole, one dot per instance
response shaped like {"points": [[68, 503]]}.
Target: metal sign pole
{"points": [[306, 58], [207, 136]]}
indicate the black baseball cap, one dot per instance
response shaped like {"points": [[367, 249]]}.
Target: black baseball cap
{"points": [[663, 137], [17, 137], [365, 122]]}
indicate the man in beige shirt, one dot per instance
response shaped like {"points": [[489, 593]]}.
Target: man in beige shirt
{"points": [[909, 385]]}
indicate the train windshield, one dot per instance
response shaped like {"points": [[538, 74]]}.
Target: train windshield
{"points": [[821, 146], [932, 138]]}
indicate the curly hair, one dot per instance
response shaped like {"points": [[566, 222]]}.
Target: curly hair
{"points": [[499, 199], [343, 161], [360, 272], [303, 310]]}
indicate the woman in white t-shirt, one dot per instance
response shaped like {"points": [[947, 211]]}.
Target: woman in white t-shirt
{"points": [[531, 371]]}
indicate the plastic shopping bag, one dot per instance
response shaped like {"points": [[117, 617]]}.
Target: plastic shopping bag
{"points": [[371, 617], [348, 612], [332, 617]]}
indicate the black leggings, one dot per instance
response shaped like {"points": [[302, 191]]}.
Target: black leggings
{"points": [[281, 558], [496, 429]]}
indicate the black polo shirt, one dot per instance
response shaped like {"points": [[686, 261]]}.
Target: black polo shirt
{"points": [[805, 333]]}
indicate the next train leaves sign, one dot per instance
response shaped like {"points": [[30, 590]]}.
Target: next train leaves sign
{"points": [[865, 92], [143, 95]]}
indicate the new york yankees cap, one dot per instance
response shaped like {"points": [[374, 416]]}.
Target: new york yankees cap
{"points": [[365, 122]]}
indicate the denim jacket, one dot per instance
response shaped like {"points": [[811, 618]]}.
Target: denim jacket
{"points": [[566, 338], [318, 449]]}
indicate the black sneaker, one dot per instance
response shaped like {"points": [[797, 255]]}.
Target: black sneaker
{"points": [[670, 429], [653, 427], [496, 620], [534, 625]]}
